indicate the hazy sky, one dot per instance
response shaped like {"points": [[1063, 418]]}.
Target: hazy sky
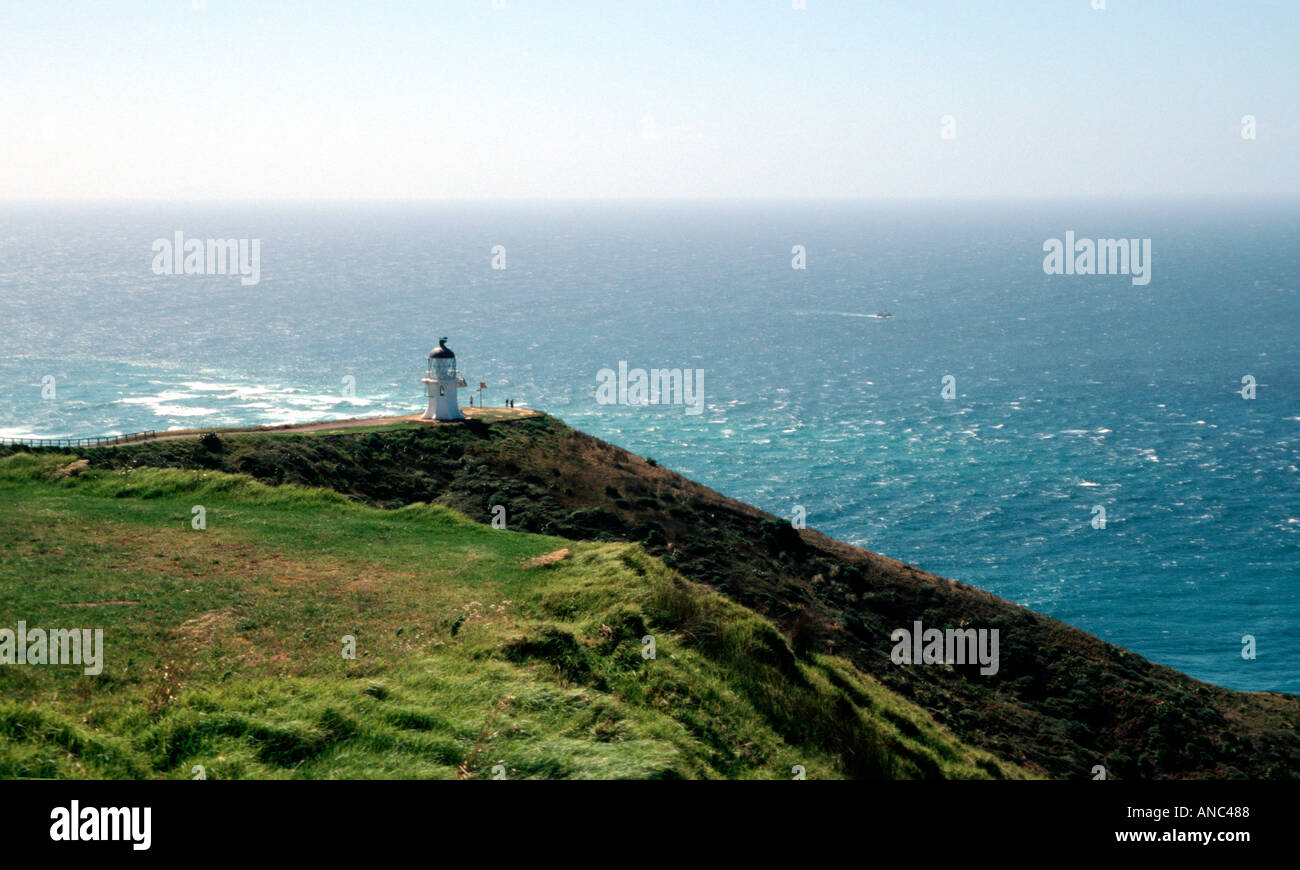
{"points": [[155, 99]]}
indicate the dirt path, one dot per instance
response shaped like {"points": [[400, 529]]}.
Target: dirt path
{"points": [[488, 415]]}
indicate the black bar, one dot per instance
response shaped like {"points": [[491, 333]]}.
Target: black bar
{"points": [[928, 819]]}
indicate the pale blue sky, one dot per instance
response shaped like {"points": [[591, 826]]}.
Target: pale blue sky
{"points": [[154, 99]]}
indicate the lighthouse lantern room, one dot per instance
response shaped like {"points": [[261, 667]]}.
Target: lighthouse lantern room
{"points": [[441, 382]]}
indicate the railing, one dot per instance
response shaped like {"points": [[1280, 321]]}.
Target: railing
{"points": [[450, 378], [79, 442]]}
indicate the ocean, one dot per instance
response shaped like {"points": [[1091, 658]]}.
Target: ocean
{"points": [[1066, 393]]}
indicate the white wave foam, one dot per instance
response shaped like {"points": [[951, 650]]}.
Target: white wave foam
{"points": [[182, 411], [21, 432], [159, 398]]}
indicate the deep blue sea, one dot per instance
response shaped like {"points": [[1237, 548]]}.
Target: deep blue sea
{"points": [[1071, 391]]}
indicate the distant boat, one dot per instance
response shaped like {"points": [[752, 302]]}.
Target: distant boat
{"points": [[882, 316]]}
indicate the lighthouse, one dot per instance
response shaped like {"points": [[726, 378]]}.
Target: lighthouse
{"points": [[440, 382]]}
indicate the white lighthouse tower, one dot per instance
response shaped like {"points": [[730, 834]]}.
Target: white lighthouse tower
{"points": [[441, 382]]}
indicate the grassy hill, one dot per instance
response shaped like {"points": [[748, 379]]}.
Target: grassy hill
{"points": [[1062, 702], [479, 652]]}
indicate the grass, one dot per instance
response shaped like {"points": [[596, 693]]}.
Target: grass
{"points": [[1062, 702], [475, 655]]}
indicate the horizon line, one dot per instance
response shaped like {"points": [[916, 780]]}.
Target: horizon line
{"points": [[611, 200]]}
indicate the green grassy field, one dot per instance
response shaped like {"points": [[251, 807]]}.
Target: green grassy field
{"points": [[475, 647]]}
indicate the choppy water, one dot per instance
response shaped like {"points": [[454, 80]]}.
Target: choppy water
{"points": [[1071, 391]]}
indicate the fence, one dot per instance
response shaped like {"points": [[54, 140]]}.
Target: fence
{"points": [[79, 442]]}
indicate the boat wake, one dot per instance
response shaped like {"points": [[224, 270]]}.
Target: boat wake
{"points": [[878, 316]]}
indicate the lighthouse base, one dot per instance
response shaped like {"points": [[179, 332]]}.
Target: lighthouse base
{"points": [[428, 417], [443, 406]]}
